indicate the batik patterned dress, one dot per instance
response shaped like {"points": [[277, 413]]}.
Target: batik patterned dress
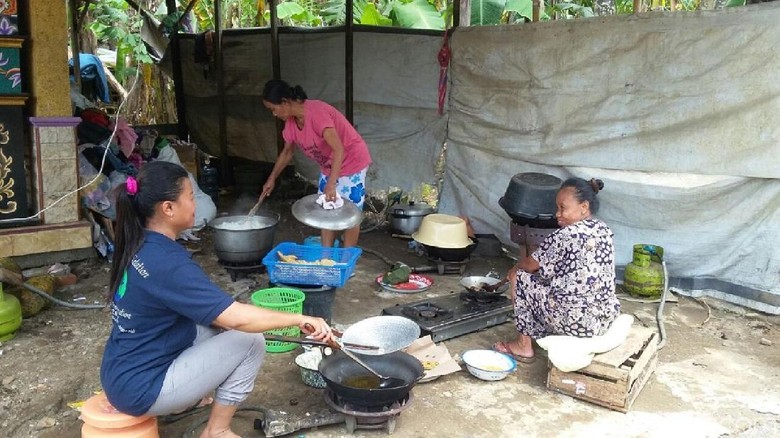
{"points": [[573, 292]]}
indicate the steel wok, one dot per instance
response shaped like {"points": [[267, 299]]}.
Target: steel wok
{"points": [[336, 368], [476, 284]]}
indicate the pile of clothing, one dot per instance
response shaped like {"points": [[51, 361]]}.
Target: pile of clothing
{"points": [[110, 150]]}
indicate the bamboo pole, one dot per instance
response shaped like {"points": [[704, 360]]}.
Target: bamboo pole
{"points": [[637, 6], [220, 64], [349, 63], [276, 65], [75, 43], [178, 77]]}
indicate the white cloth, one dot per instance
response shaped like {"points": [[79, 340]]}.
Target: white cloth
{"points": [[569, 353], [330, 205]]}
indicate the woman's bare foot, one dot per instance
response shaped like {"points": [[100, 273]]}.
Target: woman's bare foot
{"points": [[521, 348]]}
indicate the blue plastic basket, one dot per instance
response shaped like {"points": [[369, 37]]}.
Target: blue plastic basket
{"points": [[314, 275]]}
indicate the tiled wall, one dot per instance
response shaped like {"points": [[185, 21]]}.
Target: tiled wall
{"points": [[58, 172], [40, 239]]}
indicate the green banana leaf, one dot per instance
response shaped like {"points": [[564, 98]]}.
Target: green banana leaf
{"points": [[486, 12], [418, 14], [372, 17], [523, 8]]}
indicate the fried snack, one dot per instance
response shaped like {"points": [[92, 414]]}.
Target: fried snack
{"points": [[429, 364], [292, 258]]}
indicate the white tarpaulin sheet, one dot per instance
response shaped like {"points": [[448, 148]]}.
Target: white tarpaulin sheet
{"points": [[678, 113]]}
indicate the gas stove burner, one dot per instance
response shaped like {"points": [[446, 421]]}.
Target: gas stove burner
{"points": [[365, 417], [482, 297], [454, 314], [426, 312], [450, 267], [242, 269]]}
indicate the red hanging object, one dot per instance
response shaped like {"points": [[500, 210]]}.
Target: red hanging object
{"points": [[444, 64]]}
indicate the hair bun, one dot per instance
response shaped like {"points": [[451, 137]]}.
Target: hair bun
{"points": [[596, 184]]}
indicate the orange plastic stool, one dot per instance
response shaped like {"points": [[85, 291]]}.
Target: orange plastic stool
{"points": [[101, 420]]}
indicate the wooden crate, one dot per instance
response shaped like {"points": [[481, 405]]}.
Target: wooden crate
{"points": [[615, 378]]}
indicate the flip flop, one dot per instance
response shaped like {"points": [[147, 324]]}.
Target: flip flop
{"points": [[503, 348]]}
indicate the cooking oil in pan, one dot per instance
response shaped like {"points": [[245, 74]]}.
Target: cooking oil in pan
{"points": [[370, 381]]}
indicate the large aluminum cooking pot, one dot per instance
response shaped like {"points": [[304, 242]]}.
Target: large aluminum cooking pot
{"points": [[338, 368], [406, 218], [531, 196], [244, 239]]}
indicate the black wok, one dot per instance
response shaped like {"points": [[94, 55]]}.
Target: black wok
{"points": [[451, 254], [336, 368]]}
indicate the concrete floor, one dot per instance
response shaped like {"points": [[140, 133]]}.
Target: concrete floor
{"points": [[714, 378], [711, 379]]}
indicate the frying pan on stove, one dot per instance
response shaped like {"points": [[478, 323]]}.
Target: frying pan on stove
{"points": [[476, 284]]}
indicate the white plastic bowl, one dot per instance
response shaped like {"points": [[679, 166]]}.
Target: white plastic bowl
{"points": [[488, 364]]}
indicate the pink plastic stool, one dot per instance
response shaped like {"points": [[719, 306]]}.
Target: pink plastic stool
{"points": [[101, 420]]}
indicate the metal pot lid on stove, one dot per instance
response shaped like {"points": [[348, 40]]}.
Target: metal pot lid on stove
{"points": [[412, 209], [531, 195], [312, 214]]}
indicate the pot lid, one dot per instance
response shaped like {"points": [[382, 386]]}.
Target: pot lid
{"points": [[413, 209], [312, 214]]}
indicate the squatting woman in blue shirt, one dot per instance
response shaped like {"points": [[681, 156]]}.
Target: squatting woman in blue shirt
{"points": [[163, 354]]}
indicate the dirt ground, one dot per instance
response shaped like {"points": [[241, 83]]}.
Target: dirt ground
{"points": [[714, 378]]}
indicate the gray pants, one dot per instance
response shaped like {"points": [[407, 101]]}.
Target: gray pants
{"points": [[225, 362]]}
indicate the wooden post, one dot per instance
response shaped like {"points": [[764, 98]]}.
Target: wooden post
{"points": [[220, 64], [178, 78], [276, 65], [75, 44], [637, 6], [536, 11], [673, 5], [349, 64]]}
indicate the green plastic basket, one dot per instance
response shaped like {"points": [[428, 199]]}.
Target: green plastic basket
{"points": [[281, 299]]}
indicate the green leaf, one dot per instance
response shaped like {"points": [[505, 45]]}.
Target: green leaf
{"points": [[486, 12], [523, 8], [733, 3], [372, 17], [418, 14], [288, 9]]}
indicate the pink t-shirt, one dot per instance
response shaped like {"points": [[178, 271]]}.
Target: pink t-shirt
{"points": [[318, 115]]}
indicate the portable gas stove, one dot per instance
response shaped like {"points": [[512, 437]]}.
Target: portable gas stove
{"points": [[450, 267], [361, 417], [241, 270], [453, 315], [277, 423]]}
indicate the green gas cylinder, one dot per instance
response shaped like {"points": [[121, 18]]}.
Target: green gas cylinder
{"points": [[10, 315], [644, 276]]}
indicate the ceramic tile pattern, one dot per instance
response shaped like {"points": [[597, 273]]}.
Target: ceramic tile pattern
{"points": [[37, 241], [59, 172]]}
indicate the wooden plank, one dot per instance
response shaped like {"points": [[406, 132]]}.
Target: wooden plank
{"points": [[647, 354], [636, 339], [640, 382], [603, 392], [604, 371]]}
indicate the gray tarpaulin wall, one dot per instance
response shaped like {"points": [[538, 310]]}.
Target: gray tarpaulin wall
{"points": [[395, 96], [678, 113]]}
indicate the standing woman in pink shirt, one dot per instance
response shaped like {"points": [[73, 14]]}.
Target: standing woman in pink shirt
{"points": [[325, 136]]}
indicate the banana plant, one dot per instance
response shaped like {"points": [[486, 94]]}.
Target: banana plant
{"points": [[417, 14]]}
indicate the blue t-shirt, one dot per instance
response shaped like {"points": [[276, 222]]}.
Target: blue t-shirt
{"points": [[163, 295]]}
